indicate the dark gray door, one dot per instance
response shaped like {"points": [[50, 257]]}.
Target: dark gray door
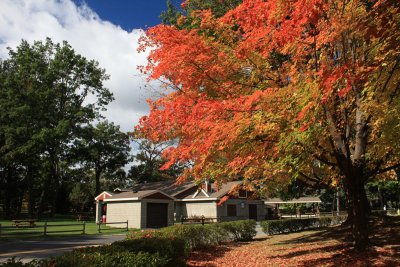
{"points": [[253, 212], [157, 215]]}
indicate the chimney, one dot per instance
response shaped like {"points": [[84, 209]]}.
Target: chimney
{"points": [[207, 186]]}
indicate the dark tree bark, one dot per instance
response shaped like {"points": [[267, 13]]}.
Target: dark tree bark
{"points": [[43, 195], [29, 183], [98, 172], [359, 214], [55, 181]]}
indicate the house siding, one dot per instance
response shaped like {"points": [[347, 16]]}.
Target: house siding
{"points": [[241, 213], [124, 211], [197, 209], [178, 211], [143, 212]]}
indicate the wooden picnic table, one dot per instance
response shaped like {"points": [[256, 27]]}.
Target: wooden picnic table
{"points": [[24, 223], [82, 217]]}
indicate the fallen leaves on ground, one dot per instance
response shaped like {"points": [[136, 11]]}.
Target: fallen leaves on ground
{"points": [[328, 247]]}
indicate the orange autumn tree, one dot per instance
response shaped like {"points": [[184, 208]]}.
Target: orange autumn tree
{"points": [[274, 90]]}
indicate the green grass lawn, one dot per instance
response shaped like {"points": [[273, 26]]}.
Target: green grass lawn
{"points": [[75, 227]]}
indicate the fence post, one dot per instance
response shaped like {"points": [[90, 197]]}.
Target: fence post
{"points": [[99, 226], [127, 229], [202, 220], [182, 219], [45, 228], [83, 228]]}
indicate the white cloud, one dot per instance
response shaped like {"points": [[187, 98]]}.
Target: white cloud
{"points": [[113, 47]]}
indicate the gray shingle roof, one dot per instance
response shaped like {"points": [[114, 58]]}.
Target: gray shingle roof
{"points": [[168, 187], [131, 194], [171, 189], [217, 192]]}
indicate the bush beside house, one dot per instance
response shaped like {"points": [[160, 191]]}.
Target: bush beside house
{"points": [[200, 236], [168, 246], [294, 225]]}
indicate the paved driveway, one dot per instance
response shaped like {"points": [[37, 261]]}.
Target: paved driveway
{"points": [[40, 249]]}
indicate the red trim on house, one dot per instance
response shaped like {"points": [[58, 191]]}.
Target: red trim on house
{"points": [[103, 196]]}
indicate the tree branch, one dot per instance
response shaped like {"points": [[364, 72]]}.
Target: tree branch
{"points": [[388, 168]]}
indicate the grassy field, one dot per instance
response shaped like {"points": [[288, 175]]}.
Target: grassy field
{"points": [[73, 227], [323, 247]]}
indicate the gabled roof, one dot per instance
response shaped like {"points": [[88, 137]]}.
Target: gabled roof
{"points": [[187, 191], [216, 194], [168, 187], [103, 193], [125, 196]]}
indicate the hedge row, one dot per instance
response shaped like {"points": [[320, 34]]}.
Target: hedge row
{"points": [[294, 225], [151, 248], [198, 236], [146, 252]]}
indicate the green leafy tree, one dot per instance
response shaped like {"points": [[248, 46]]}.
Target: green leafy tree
{"points": [[171, 15], [149, 162], [104, 149], [175, 16], [45, 90]]}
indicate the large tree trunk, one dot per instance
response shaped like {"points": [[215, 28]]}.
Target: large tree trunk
{"points": [[29, 183], [359, 213], [55, 175], [349, 208], [43, 194], [11, 193]]}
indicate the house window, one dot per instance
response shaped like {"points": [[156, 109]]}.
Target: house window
{"points": [[242, 193], [231, 210]]}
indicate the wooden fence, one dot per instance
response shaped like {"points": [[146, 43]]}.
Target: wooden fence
{"points": [[47, 229], [108, 223], [47, 226]]}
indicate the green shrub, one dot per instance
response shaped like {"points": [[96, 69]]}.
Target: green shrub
{"points": [[198, 236], [166, 252], [147, 251], [240, 230], [115, 259], [173, 248], [273, 227], [165, 247], [324, 221], [14, 262]]}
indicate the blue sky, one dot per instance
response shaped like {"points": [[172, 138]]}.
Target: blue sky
{"points": [[104, 30], [129, 14]]}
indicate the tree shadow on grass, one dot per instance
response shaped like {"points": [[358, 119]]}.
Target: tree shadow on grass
{"points": [[384, 250], [383, 231], [341, 234], [346, 256], [330, 246]]}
